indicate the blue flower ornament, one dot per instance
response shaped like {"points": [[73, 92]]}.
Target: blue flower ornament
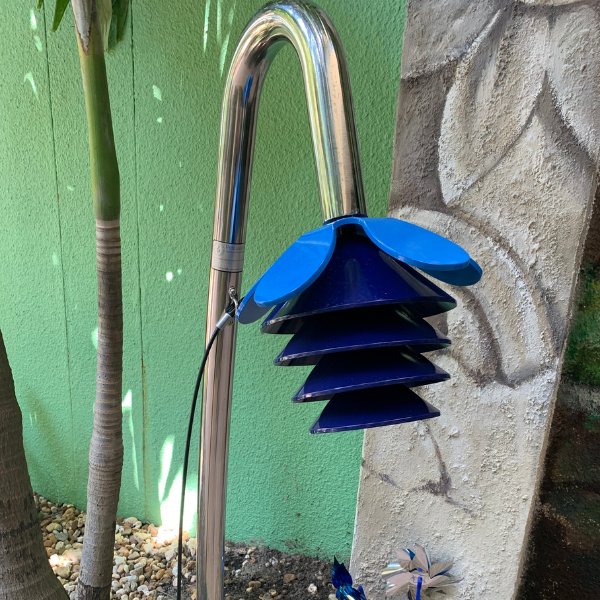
{"points": [[352, 296]]}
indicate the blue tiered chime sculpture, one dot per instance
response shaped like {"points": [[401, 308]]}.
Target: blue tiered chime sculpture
{"points": [[351, 295]]}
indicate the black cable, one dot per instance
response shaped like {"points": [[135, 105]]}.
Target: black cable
{"points": [[230, 311]]}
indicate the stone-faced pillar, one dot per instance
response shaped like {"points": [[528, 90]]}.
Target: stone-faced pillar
{"points": [[497, 148]]}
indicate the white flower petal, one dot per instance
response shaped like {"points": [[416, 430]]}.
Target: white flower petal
{"points": [[403, 556], [421, 558], [574, 73], [440, 567], [492, 98]]}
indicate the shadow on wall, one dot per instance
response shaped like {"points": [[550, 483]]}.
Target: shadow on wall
{"points": [[564, 545]]}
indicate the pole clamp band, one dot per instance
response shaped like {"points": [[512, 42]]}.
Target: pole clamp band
{"points": [[227, 257]]}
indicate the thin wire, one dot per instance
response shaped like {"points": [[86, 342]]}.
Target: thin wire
{"points": [[186, 456]]}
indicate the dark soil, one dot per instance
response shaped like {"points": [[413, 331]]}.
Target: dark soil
{"points": [[246, 563]]}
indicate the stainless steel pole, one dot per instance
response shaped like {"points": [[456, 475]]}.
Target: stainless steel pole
{"points": [[339, 174]]}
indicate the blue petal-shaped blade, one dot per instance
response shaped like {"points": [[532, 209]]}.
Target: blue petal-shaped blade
{"points": [[348, 371], [414, 245], [360, 275], [373, 408], [248, 311], [297, 268], [359, 329], [468, 276], [340, 575]]}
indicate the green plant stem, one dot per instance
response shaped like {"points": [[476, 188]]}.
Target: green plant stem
{"points": [[103, 156], [106, 447]]}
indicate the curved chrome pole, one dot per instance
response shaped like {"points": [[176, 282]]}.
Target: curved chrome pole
{"points": [[339, 175]]}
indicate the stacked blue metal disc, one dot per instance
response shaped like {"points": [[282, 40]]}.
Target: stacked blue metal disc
{"points": [[361, 324]]}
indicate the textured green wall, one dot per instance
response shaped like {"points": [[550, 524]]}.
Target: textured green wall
{"points": [[291, 489]]}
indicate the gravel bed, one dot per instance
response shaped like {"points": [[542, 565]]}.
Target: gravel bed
{"points": [[145, 562]]}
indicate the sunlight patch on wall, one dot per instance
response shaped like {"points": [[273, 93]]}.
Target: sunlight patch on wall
{"points": [[166, 456], [127, 400], [170, 506], [29, 77], [127, 407], [206, 15]]}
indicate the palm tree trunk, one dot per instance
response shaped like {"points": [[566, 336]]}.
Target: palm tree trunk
{"points": [[106, 448], [24, 570]]}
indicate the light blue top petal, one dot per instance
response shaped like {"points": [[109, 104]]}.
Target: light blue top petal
{"points": [[467, 276], [297, 268], [415, 246], [248, 311]]}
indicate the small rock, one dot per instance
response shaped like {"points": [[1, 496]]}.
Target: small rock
{"points": [[288, 578], [331, 597], [53, 527], [254, 584], [312, 588], [160, 574], [64, 572], [73, 554], [62, 536]]}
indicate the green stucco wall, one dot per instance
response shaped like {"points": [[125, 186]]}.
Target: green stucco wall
{"points": [[293, 490]]}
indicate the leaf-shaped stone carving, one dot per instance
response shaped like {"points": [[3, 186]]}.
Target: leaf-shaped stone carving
{"points": [[503, 318], [431, 42], [574, 73], [492, 98], [548, 2]]}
